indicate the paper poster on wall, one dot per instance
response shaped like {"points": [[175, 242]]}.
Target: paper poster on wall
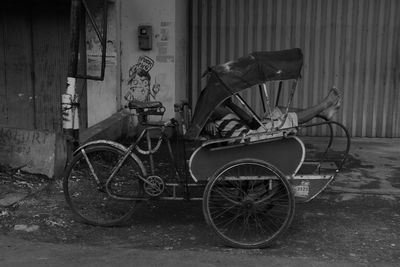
{"points": [[162, 48], [164, 53], [165, 59]]}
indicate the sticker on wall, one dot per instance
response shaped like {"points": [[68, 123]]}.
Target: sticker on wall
{"points": [[164, 34], [165, 59], [162, 48], [139, 81], [164, 38]]}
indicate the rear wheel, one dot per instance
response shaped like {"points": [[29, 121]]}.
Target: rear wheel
{"points": [[88, 198], [249, 203]]}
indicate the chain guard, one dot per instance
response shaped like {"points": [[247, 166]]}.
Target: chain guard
{"points": [[155, 186]]}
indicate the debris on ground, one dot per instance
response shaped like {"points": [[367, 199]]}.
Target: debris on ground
{"points": [[11, 198], [358, 227], [4, 213], [26, 228], [16, 185]]}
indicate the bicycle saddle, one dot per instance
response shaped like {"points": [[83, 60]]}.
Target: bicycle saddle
{"points": [[134, 104]]}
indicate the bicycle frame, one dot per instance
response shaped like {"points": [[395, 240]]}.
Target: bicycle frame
{"points": [[129, 151]]}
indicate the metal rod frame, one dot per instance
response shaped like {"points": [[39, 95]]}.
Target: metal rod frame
{"points": [[102, 38]]}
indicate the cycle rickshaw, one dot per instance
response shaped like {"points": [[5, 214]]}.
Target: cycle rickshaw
{"points": [[250, 183]]}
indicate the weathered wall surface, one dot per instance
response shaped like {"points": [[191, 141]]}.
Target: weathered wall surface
{"points": [[159, 74], [353, 44], [102, 96], [33, 63], [33, 68], [150, 75], [35, 151], [181, 47]]}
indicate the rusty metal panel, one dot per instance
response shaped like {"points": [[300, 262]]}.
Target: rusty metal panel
{"points": [[3, 91], [33, 63], [18, 68], [352, 44], [50, 57]]}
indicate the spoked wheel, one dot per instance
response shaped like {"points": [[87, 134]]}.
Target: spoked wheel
{"points": [[85, 180], [249, 203]]}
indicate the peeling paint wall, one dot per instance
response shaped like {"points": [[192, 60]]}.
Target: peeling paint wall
{"points": [[33, 151], [181, 45], [33, 64], [102, 96], [160, 82], [159, 74]]}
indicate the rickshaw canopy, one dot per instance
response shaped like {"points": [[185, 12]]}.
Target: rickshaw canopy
{"points": [[232, 77]]}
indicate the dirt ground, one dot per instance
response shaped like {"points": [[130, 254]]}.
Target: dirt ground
{"points": [[362, 229], [336, 227]]}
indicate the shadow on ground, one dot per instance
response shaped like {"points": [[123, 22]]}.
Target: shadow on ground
{"points": [[355, 226]]}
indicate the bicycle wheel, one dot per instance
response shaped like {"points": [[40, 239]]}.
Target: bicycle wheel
{"points": [[248, 203], [88, 199]]}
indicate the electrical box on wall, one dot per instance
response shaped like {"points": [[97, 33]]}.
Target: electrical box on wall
{"points": [[145, 33]]}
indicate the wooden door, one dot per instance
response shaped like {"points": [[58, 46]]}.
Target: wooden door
{"points": [[34, 39]]}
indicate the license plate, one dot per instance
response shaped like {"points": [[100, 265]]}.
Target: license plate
{"points": [[302, 190]]}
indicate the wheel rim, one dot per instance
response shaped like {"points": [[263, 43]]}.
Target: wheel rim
{"points": [[89, 200], [249, 204]]}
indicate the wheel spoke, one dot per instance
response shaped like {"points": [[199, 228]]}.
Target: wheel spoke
{"points": [[91, 168], [259, 223], [231, 220], [273, 192], [223, 212], [226, 197], [238, 187], [245, 209]]}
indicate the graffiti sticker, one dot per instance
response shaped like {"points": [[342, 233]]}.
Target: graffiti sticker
{"points": [[139, 81]]}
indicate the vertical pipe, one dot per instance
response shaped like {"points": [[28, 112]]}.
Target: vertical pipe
{"points": [[189, 89], [104, 40]]}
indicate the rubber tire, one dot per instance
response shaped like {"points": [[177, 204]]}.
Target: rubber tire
{"points": [[238, 244], [130, 205]]}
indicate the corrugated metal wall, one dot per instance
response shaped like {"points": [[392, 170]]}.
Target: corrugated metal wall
{"points": [[353, 44]]}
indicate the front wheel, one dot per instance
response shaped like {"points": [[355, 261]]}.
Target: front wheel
{"points": [[84, 185], [249, 203]]}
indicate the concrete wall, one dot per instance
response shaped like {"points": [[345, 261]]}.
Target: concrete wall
{"points": [[158, 74], [181, 47], [166, 62], [34, 151], [103, 97]]}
